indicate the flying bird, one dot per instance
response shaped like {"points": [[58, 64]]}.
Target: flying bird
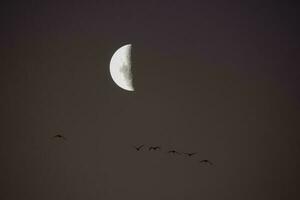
{"points": [[174, 152], [190, 154], [59, 136], [138, 148], [206, 161], [155, 148]]}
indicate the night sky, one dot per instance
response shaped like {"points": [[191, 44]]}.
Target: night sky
{"points": [[220, 78]]}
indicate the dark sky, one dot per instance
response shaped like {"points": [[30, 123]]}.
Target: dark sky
{"points": [[219, 78]]}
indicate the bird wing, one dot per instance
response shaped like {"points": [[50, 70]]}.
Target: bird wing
{"points": [[60, 136], [206, 161]]}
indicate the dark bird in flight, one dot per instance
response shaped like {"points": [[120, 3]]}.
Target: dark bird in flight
{"points": [[206, 161], [174, 152], [155, 148], [139, 147], [59, 136], [190, 154]]}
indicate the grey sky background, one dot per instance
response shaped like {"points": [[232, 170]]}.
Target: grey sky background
{"points": [[213, 77]]}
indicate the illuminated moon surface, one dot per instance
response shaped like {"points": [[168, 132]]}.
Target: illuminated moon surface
{"points": [[120, 68]]}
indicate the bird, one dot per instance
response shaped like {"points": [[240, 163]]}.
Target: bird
{"points": [[138, 148], [154, 148], [59, 136], [174, 152], [206, 161], [190, 154]]}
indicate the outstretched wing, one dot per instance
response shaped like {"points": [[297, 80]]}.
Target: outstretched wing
{"points": [[190, 154], [59, 136], [206, 161]]}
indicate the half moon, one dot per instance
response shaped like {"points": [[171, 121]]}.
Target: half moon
{"points": [[120, 68]]}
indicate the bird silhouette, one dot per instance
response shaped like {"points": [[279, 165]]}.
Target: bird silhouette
{"points": [[138, 148], [190, 154], [206, 161], [174, 152], [59, 136], [154, 148]]}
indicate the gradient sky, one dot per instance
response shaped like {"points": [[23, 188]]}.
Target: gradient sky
{"points": [[219, 78]]}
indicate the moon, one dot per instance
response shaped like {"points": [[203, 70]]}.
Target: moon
{"points": [[120, 68]]}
